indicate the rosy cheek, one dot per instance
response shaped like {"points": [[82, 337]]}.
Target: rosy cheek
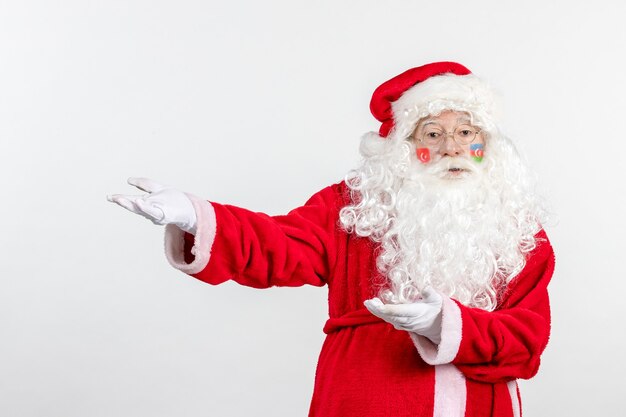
{"points": [[423, 155]]}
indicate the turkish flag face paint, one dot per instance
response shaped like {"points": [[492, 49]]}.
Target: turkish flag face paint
{"points": [[423, 154]]}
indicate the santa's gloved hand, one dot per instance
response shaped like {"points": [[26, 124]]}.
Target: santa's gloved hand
{"points": [[162, 205], [422, 316]]}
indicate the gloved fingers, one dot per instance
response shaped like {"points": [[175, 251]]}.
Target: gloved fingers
{"points": [[126, 201], [403, 310], [395, 310], [152, 211], [374, 302], [397, 314], [374, 306], [146, 184], [138, 206], [412, 318]]}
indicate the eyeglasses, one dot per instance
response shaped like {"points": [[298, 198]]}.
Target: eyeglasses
{"points": [[462, 135]]}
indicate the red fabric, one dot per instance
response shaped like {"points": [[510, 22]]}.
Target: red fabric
{"points": [[366, 367], [352, 319], [391, 90], [509, 341]]}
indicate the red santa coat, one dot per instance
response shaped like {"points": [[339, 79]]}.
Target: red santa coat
{"points": [[366, 367]]}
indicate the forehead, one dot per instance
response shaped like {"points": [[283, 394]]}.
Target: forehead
{"points": [[446, 117]]}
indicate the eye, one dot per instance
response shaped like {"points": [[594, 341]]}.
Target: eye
{"points": [[466, 132], [433, 135]]}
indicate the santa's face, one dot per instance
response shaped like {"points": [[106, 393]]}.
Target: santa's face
{"points": [[449, 146]]}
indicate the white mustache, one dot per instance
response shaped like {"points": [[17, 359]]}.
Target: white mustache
{"points": [[445, 164]]}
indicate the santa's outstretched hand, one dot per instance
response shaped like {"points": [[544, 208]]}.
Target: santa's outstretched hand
{"points": [[422, 316], [162, 205]]}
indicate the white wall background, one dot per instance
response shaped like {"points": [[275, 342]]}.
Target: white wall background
{"points": [[260, 104]]}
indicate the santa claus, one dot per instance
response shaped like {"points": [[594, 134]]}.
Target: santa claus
{"points": [[432, 249]]}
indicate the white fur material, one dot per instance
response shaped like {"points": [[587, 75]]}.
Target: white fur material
{"points": [[450, 392], [203, 240], [466, 93], [451, 332], [515, 400]]}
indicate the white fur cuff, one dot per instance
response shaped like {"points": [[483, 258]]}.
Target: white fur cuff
{"points": [[203, 240], [451, 332]]}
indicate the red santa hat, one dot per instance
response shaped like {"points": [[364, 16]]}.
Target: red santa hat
{"points": [[401, 101]]}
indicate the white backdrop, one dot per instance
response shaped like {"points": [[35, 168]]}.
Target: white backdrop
{"points": [[260, 104]]}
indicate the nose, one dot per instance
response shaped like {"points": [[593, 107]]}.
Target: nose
{"points": [[449, 147]]}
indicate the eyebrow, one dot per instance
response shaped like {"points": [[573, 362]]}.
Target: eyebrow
{"points": [[435, 122]]}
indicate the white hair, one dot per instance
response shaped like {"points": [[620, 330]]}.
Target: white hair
{"points": [[468, 238]]}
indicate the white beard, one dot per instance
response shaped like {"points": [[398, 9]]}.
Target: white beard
{"points": [[452, 231], [465, 233]]}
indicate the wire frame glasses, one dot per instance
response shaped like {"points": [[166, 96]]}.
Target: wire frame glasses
{"points": [[462, 135]]}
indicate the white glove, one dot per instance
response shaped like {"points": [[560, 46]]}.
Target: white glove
{"points": [[162, 205], [422, 316]]}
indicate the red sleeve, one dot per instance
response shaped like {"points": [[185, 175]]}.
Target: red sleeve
{"points": [[261, 251], [504, 344]]}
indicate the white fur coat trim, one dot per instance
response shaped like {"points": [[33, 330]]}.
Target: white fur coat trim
{"points": [[451, 332], [203, 240]]}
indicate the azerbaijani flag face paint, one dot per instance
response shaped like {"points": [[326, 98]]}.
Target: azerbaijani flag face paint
{"points": [[477, 151], [423, 154]]}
